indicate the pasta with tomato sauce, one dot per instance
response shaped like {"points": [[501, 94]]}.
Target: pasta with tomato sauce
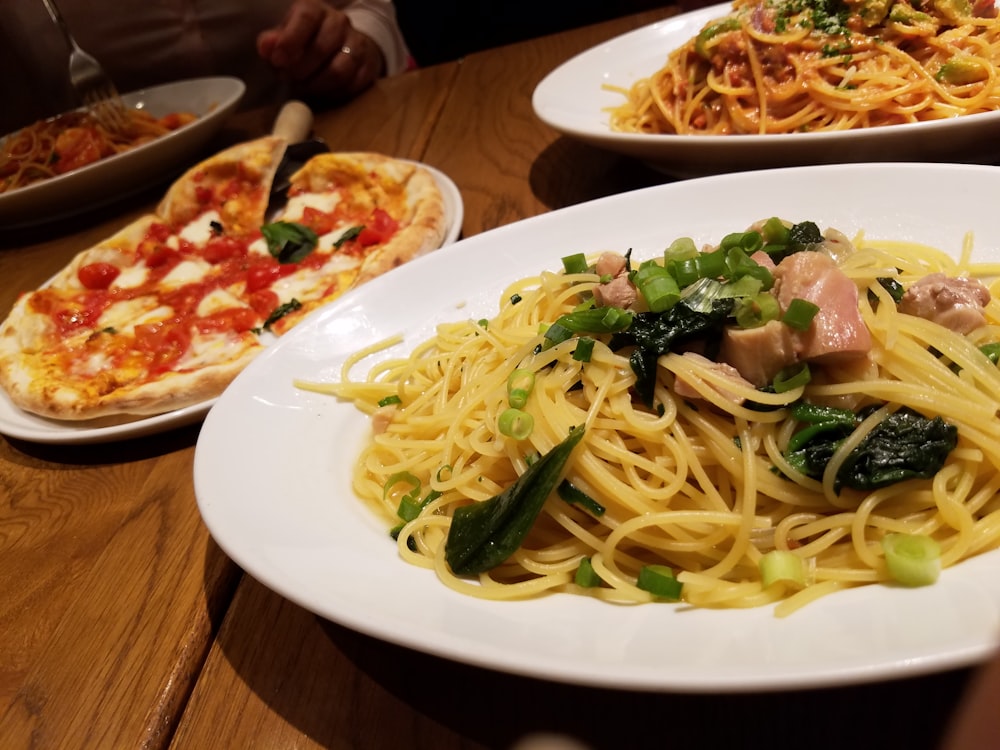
{"points": [[601, 434], [789, 66], [61, 144]]}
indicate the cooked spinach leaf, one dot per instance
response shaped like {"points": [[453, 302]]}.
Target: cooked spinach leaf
{"points": [[905, 445]]}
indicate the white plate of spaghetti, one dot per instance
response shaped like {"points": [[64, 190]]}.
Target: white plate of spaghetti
{"points": [[169, 124], [294, 517], [587, 95]]}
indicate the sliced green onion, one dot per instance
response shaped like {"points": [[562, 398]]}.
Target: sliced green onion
{"points": [[659, 581], [774, 231], [656, 286], [515, 423], [784, 566], [593, 320], [584, 349], [912, 559], [799, 314], [791, 378], [575, 496], [684, 270], [701, 295], [679, 249], [740, 264], [389, 400], [519, 385], [749, 242], [398, 477], [752, 312], [586, 576], [712, 264], [745, 286], [575, 263], [409, 508]]}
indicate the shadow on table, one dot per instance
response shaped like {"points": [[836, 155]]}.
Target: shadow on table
{"points": [[122, 451], [568, 172], [353, 689]]}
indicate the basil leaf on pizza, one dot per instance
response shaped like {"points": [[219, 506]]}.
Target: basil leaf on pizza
{"points": [[288, 241]]}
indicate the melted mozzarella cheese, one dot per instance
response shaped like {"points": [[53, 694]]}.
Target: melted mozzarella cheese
{"points": [[124, 314], [200, 230], [131, 277], [307, 284], [216, 300], [92, 365], [258, 247], [209, 349], [297, 204], [33, 331], [187, 272]]}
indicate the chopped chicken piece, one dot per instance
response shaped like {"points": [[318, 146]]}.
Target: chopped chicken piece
{"points": [[957, 303], [683, 389], [759, 354], [382, 417], [838, 331]]}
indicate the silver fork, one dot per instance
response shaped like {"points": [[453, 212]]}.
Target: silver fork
{"points": [[90, 80]]}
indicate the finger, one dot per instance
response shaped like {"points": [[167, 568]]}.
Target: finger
{"points": [[296, 33], [355, 66], [330, 35]]}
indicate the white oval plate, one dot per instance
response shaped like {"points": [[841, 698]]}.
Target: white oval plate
{"points": [[289, 518], [107, 180], [571, 100], [20, 424]]}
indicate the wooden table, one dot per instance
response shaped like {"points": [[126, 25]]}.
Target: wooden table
{"points": [[124, 626]]}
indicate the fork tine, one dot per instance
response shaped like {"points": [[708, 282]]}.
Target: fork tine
{"points": [[90, 80], [110, 112]]}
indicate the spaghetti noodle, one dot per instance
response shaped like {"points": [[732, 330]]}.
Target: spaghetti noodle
{"points": [[702, 482], [821, 65], [60, 144]]}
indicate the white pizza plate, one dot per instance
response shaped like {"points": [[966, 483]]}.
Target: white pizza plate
{"points": [[291, 520], [211, 99], [17, 423], [571, 100]]}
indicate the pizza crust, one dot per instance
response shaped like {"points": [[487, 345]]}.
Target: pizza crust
{"points": [[33, 387]]}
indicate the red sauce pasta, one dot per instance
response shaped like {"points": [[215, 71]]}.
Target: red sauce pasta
{"points": [[792, 66], [60, 144]]}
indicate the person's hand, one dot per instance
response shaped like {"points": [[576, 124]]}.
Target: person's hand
{"points": [[320, 53]]}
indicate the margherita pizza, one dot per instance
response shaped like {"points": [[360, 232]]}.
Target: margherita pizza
{"points": [[166, 312]]}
